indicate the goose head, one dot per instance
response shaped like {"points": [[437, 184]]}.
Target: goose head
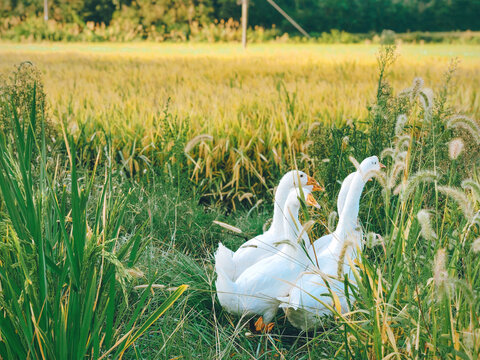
{"points": [[369, 167], [299, 179]]}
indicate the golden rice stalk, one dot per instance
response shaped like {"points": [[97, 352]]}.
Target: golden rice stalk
{"points": [[197, 139], [228, 226]]}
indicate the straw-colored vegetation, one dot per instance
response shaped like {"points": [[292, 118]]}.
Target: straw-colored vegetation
{"points": [[256, 106]]}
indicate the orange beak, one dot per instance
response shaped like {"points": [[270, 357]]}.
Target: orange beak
{"points": [[312, 202], [381, 165], [315, 184]]}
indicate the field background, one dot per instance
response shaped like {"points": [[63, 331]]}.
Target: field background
{"points": [[190, 133], [252, 103]]}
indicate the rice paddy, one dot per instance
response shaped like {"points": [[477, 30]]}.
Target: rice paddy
{"points": [[255, 105]]}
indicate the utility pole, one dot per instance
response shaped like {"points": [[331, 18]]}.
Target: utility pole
{"points": [[244, 22], [45, 10]]}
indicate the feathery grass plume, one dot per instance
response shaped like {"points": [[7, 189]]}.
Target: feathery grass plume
{"points": [[461, 199], [416, 87], [400, 124], [228, 226], [354, 162], [440, 274], [427, 231], [350, 241], [305, 229], [476, 245], [455, 148], [467, 123], [197, 139], [331, 221], [421, 176], [397, 168], [426, 99], [387, 152], [403, 142], [373, 239], [473, 186]]}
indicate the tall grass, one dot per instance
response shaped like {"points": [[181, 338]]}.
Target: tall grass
{"points": [[65, 263], [416, 292]]}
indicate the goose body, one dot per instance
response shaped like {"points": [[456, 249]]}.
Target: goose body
{"points": [[307, 300], [232, 264], [256, 290]]}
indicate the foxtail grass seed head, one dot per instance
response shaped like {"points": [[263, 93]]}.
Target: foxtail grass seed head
{"points": [[466, 123], [474, 187], [440, 274], [373, 239], [197, 139], [455, 148], [426, 99], [348, 243], [476, 245], [427, 231], [422, 176], [461, 199], [416, 87], [403, 142], [331, 221], [354, 162], [228, 226], [400, 124], [387, 152]]}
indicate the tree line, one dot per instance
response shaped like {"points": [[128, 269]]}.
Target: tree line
{"points": [[316, 16]]}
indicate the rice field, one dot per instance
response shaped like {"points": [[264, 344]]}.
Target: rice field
{"points": [[110, 186], [254, 105]]}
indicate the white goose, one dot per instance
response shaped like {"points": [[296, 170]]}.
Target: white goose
{"points": [[256, 290], [233, 264], [342, 196], [302, 306]]}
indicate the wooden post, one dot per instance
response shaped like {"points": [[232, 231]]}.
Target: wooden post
{"points": [[45, 10], [244, 22]]}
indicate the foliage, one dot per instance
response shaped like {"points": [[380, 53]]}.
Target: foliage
{"points": [[208, 20], [64, 257]]}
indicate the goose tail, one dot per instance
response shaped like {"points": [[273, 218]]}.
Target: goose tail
{"points": [[224, 261]]}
